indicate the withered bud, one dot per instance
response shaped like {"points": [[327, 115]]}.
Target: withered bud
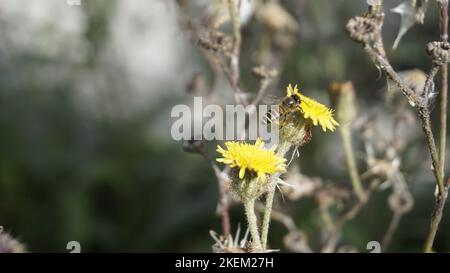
{"points": [[332, 195], [364, 29], [439, 52], [263, 72], [303, 186], [216, 41], [343, 100], [401, 202]]}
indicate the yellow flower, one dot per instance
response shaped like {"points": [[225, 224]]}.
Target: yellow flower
{"points": [[315, 111], [254, 158]]}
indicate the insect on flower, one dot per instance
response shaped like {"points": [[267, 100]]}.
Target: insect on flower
{"points": [[289, 104], [295, 102]]}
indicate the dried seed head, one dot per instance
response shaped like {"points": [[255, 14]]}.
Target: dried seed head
{"points": [[401, 202], [363, 29], [332, 195], [439, 52], [216, 41], [301, 185], [230, 244]]}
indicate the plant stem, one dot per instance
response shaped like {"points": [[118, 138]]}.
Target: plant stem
{"points": [[393, 225], [424, 115], [436, 219], [233, 9], [351, 163], [419, 103], [249, 205], [443, 5], [442, 196], [224, 208], [282, 150], [223, 203], [267, 212]]}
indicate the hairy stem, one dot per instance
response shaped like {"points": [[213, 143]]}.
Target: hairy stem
{"points": [[266, 219], [282, 150], [249, 205], [351, 162]]}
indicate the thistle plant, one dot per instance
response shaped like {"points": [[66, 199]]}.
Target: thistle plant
{"points": [[253, 172], [251, 164], [366, 30], [295, 131]]}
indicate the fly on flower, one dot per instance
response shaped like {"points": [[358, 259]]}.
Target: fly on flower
{"points": [[295, 102]]}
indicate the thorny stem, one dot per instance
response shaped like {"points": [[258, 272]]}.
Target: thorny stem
{"points": [[442, 196], [249, 205], [282, 150], [351, 163]]}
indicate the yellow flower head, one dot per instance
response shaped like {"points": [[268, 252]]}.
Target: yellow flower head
{"points": [[315, 111], [254, 158]]}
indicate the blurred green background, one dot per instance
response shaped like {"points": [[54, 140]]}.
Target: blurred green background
{"points": [[85, 147]]}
